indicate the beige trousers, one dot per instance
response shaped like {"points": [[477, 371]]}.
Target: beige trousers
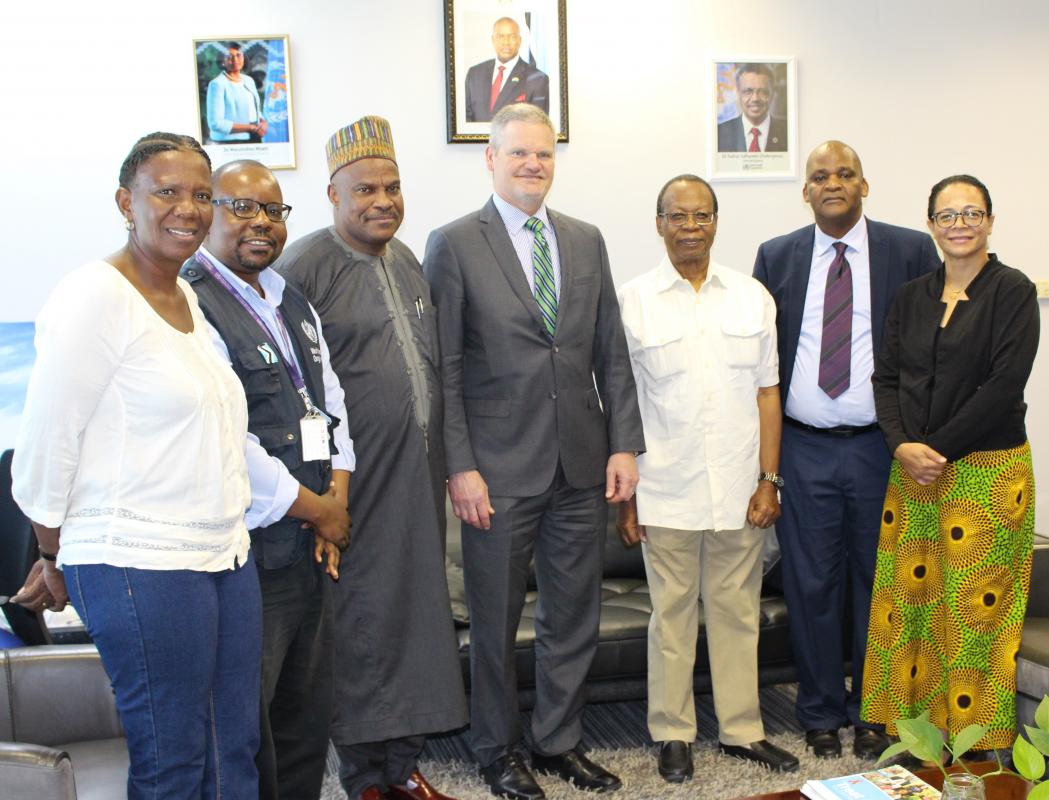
{"points": [[726, 567]]}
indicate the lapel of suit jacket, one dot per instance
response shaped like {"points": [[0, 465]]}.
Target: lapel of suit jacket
{"points": [[564, 258], [507, 93], [494, 231], [878, 252], [801, 267]]}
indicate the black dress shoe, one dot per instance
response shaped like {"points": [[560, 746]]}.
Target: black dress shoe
{"points": [[578, 770], [824, 743], [675, 761], [508, 777], [869, 743], [764, 753]]}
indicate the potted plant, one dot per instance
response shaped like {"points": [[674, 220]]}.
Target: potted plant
{"points": [[925, 741]]}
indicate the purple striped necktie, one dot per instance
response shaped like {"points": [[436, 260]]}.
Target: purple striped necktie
{"points": [[836, 344]]}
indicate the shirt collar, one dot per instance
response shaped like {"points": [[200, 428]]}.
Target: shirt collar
{"points": [[667, 277], [272, 283], [509, 67], [357, 254], [514, 218], [762, 126], [855, 239]]}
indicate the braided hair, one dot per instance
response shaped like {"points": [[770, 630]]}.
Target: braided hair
{"points": [[153, 143]]}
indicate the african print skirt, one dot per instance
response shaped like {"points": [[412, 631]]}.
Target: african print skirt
{"points": [[950, 592]]}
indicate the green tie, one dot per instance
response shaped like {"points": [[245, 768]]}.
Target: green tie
{"points": [[543, 268]]}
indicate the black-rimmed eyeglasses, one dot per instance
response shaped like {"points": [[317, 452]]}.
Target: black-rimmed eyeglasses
{"points": [[972, 217], [248, 209]]}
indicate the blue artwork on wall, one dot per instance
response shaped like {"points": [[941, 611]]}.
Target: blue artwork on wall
{"points": [[16, 361]]}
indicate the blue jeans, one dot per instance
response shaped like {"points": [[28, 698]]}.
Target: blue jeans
{"points": [[183, 651]]}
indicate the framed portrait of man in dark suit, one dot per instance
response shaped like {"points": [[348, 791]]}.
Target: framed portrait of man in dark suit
{"points": [[754, 133], [499, 53]]}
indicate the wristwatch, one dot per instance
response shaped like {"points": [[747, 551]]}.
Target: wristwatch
{"points": [[772, 477]]}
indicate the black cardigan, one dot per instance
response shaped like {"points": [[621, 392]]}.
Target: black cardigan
{"points": [[958, 389]]}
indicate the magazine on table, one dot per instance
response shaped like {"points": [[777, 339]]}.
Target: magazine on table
{"points": [[894, 783]]}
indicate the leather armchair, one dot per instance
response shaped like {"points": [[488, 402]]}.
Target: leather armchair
{"points": [[60, 736]]}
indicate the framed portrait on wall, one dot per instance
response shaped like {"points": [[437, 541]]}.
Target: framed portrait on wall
{"points": [[500, 52], [754, 134], [244, 99]]}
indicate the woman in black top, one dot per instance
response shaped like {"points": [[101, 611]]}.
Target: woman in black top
{"points": [[954, 557]]}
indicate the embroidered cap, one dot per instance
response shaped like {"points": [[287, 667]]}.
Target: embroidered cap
{"points": [[368, 137]]}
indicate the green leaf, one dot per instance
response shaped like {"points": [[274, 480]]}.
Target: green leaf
{"points": [[893, 750], [1039, 738], [1029, 762], [966, 738], [1041, 715], [1039, 792], [923, 739]]}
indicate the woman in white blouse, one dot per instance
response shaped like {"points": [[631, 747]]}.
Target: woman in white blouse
{"points": [[130, 465]]}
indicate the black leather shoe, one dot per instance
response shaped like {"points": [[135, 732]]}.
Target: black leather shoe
{"points": [[824, 743], [869, 743], [764, 753], [509, 777], [675, 761], [578, 770]]}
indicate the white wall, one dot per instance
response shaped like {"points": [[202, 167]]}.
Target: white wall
{"points": [[921, 90]]}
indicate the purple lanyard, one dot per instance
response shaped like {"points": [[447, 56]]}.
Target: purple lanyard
{"points": [[293, 369]]}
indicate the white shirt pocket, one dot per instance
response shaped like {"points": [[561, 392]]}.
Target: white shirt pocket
{"points": [[742, 336], [663, 355]]}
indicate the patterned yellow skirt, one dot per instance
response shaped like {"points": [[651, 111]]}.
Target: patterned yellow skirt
{"points": [[950, 592]]}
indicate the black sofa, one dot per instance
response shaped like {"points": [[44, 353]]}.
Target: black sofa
{"points": [[620, 665]]}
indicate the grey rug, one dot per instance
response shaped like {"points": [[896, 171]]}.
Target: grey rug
{"points": [[616, 737]]}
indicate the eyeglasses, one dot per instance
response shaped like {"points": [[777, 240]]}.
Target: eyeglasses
{"points": [[249, 209], [764, 94], [679, 219], [972, 217]]}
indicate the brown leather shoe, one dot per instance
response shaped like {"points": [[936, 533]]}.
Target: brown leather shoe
{"points": [[372, 793], [416, 788]]}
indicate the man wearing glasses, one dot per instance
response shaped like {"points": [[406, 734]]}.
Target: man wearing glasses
{"points": [[299, 461], [702, 341], [755, 130]]}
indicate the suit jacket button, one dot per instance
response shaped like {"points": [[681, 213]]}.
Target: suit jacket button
{"points": [[556, 350], [553, 395]]}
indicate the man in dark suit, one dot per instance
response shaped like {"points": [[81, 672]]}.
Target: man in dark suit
{"points": [[504, 79], [833, 283], [755, 130], [541, 429]]}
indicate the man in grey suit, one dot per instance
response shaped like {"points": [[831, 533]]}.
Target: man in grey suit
{"points": [[541, 429]]}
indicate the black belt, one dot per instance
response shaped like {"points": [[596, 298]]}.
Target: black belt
{"points": [[837, 430]]}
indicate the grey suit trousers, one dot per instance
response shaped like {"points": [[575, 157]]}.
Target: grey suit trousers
{"points": [[564, 529]]}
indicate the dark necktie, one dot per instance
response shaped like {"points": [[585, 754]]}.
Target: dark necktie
{"points": [[496, 88], [754, 133], [543, 271], [836, 344]]}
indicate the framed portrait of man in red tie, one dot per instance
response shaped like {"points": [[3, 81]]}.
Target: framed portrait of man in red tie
{"points": [[499, 53], [754, 131]]}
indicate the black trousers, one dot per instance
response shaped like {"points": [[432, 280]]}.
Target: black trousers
{"points": [[297, 680], [564, 529], [380, 764]]}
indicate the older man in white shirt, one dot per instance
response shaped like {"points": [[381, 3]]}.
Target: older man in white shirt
{"points": [[702, 341]]}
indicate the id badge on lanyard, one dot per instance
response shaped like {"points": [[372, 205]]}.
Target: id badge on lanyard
{"points": [[313, 429], [315, 442]]}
